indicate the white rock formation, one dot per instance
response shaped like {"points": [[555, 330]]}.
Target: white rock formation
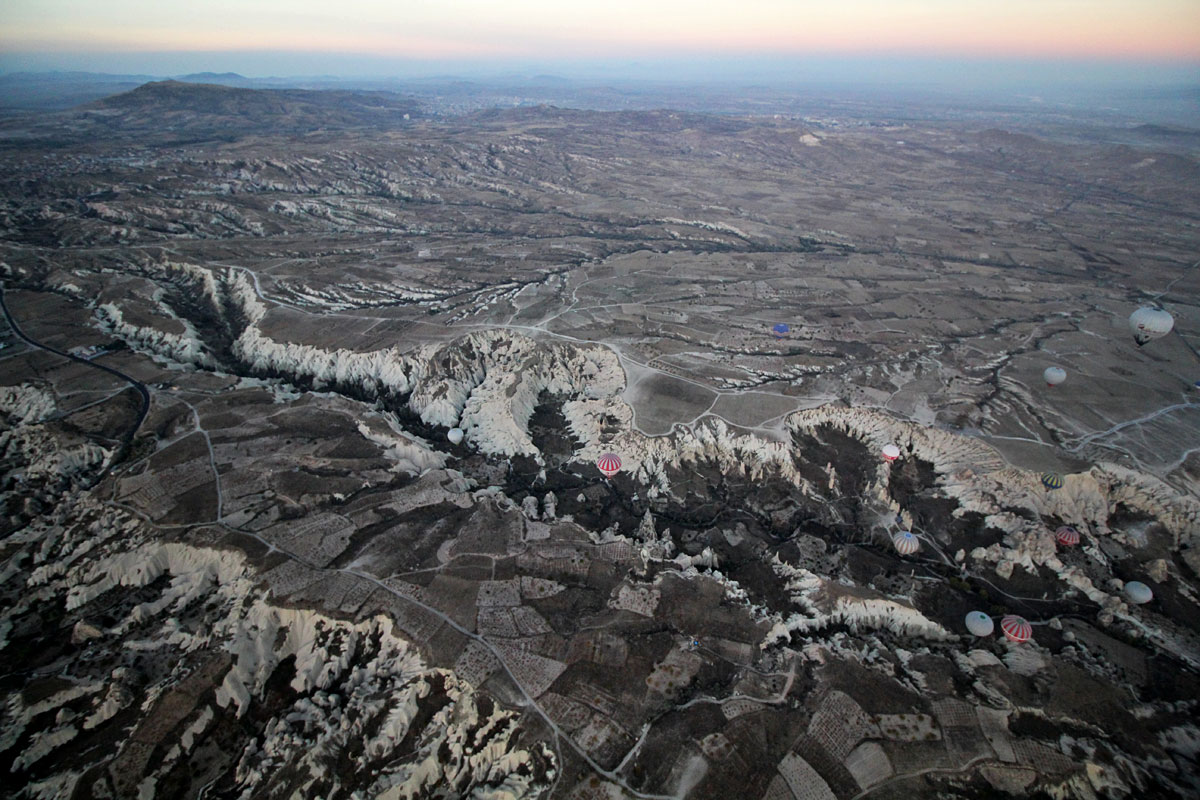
{"points": [[408, 454], [351, 676], [489, 383], [25, 404], [40, 461], [827, 604]]}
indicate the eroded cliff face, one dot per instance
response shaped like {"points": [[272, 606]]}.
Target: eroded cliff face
{"points": [[175, 665], [486, 383], [251, 624], [40, 461], [1015, 504], [490, 382]]}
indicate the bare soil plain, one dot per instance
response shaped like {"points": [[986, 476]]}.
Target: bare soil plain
{"points": [[242, 559]]}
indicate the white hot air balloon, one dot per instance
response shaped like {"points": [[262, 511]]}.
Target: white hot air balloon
{"points": [[1138, 592], [905, 542], [1150, 323], [1054, 375], [890, 452], [980, 624], [455, 435]]}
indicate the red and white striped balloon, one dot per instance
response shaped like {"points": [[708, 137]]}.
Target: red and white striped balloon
{"points": [[906, 542], [609, 464], [1067, 535], [1016, 629]]}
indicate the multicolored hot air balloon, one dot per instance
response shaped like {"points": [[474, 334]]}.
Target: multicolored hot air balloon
{"points": [[455, 435], [1138, 592], [1054, 375], [1067, 535], [906, 542], [780, 329], [1015, 628], [1149, 323], [980, 624], [1052, 480], [890, 452], [609, 464]]}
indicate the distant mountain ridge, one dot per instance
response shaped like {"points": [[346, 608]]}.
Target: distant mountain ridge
{"points": [[253, 104], [223, 78], [179, 111]]}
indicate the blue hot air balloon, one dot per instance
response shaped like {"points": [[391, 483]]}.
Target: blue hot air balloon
{"points": [[780, 329]]}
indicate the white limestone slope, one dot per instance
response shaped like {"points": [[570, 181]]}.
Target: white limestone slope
{"points": [[40, 460], [489, 383], [182, 347], [349, 676], [826, 604], [25, 404]]}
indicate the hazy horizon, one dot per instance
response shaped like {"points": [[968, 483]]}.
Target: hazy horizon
{"points": [[932, 72], [935, 43]]}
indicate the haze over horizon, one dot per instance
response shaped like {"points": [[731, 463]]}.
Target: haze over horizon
{"points": [[934, 42]]}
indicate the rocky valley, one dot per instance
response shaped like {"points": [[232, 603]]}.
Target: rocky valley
{"points": [[242, 556]]}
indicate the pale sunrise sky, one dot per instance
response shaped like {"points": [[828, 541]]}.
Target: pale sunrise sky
{"points": [[1165, 31]]}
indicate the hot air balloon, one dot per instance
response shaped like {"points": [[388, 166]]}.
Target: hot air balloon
{"points": [[1054, 375], [890, 452], [609, 464], [1150, 323], [1067, 536], [780, 329], [906, 542], [980, 624], [1052, 480], [1015, 628], [455, 435], [1138, 592]]}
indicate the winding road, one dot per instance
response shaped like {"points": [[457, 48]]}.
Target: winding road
{"points": [[134, 382]]}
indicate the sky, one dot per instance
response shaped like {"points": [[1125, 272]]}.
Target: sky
{"points": [[375, 37]]}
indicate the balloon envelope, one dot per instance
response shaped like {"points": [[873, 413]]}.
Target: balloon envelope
{"points": [[905, 542], [980, 624], [891, 452], [1067, 535], [455, 435], [609, 464], [1052, 480], [1138, 592], [781, 328], [1150, 323], [1054, 375], [1015, 628]]}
